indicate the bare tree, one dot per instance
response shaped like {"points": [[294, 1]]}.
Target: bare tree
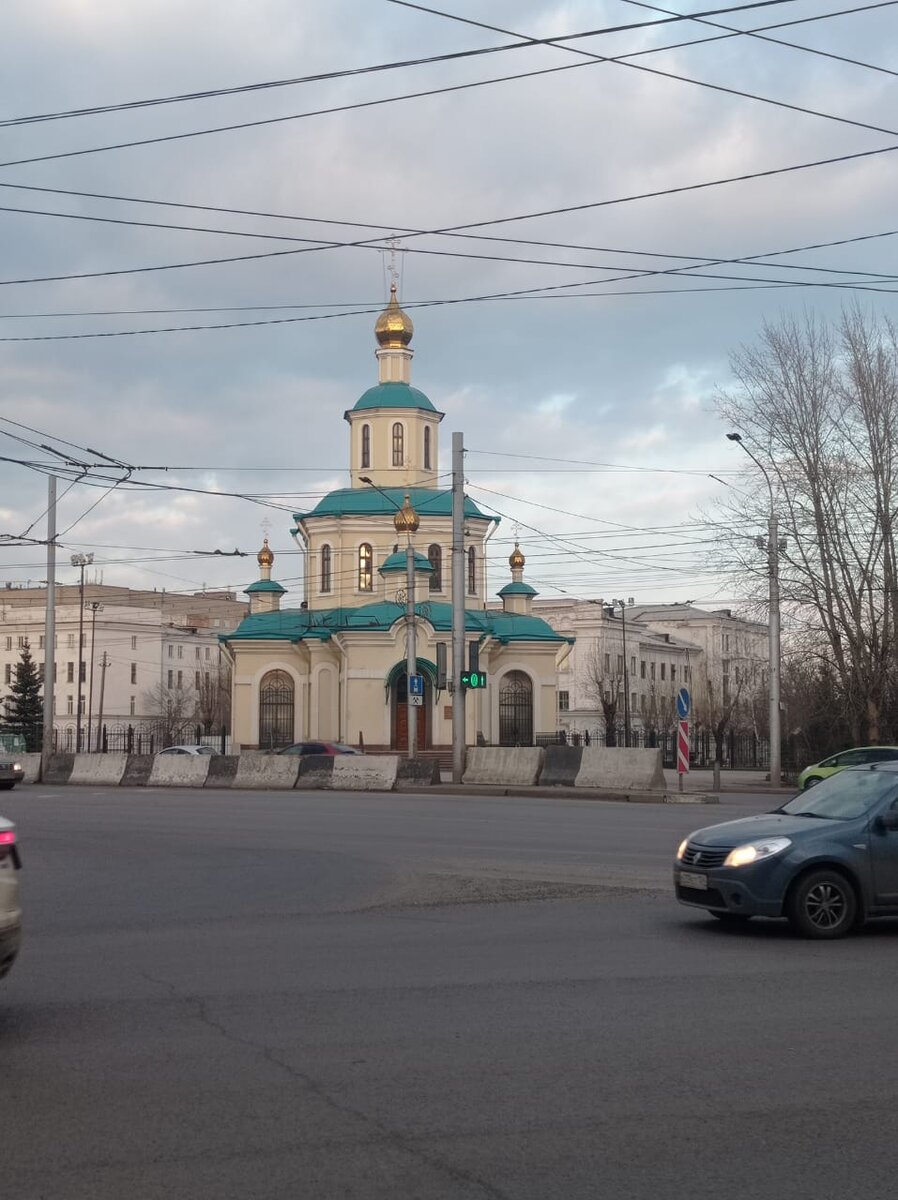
{"points": [[819, 407], [213, 699], [603, 680], [174, 709]]}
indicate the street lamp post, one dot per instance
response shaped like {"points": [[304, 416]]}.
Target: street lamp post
{"points": [[774, 620], [405, 520], [95, 606], [622, 604], [81, 561]]}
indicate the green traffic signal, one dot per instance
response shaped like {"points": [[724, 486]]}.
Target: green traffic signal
{"points": [[473, 679]]}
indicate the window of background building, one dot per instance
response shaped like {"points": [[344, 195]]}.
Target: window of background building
{"points": [[133, 642], [70, 641], [325, 568], [180, 651], [171, 679], [9, 643], [632, 702], [69, 705], [673, 672], [426, 448], [40, 642], [633, 665], [207, 654], [171, 652], [607, 664], [7, 673], [180, 679], [132, 706], [134, 672], [642, 668], [620, 664], [663, 667], [70, 672], [366, 446], [652, 670], [398, 444], [366, 568], [564, 701], [82, 673], [197, 656], [196, 680]]}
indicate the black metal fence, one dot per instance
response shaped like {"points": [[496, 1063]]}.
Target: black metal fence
{"points": [[738, 751], [139, 738]]}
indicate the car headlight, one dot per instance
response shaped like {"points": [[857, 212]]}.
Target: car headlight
{"points": [[681, 849], [17, 766], [752, 852]]}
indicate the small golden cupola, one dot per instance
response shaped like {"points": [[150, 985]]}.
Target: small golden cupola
{"points": [[265, 594], [394, 328], [517, 596]]}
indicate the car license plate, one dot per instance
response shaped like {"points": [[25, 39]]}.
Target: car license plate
{"points": [[690, 879]]}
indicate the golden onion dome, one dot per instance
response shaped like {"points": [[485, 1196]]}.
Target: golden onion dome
{"points": [[406, 519], [393, 328], [265, 557], [516, 559]]}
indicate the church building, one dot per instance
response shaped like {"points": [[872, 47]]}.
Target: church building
{"points": [[335, 668]]}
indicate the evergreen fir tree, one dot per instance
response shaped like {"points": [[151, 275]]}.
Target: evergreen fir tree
{"points": [[24, 707]]}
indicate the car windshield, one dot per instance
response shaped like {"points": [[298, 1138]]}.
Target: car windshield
{"points": [[845, 796]]}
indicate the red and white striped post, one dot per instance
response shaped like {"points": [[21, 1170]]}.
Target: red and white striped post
{"points": [[682, 735]]}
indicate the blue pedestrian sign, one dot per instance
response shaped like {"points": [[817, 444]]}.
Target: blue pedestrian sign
{"points": [[416, 685], [683, 703]]}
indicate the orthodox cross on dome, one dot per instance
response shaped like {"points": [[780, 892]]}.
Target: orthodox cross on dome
{"points": [[393, 266], [265, 526]]}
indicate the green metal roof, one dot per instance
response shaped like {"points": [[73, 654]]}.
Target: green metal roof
{"points": [[393, 395], [518, 589], [369, 502], [264, 585], [296, 625], [399, 562]]}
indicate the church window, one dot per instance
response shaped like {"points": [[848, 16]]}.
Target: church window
{"points": [[472, 571], [398, 445], [366, 448], [427, 448], [366, 568], [435, 558], [325, 568]]}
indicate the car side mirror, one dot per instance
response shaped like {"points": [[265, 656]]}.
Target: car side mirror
{"points": [[887, 822]]}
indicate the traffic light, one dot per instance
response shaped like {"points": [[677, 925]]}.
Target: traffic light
{"points": [[474, 657], [442, 673], [473, 679]]}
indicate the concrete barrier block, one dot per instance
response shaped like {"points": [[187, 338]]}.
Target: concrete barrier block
{"points": [[222, 770], [267, 770], [179, 770], [59, 768], [315, 771], [137, 770], [31, 765], [364, 772], [515, 766], [561, 766], [98, 769], [417, 772], [616, 767]]}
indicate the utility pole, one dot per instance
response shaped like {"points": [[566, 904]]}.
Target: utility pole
{"points": [[458, 606], [49, 630], [623, 617], [95, 606], [103, 664], [81, 561]]}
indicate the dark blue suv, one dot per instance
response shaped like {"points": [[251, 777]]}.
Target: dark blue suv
{"points": [[827, 860]]}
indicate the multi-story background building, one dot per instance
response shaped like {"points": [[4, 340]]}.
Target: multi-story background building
{"points": [[145, 657]]}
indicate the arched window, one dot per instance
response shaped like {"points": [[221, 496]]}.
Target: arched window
{"points": [[325, 568], [398, 445], [275, 710], [516, 710], [435, 558], [366, 568], [366, 446], [426, 447], [472, 571]]}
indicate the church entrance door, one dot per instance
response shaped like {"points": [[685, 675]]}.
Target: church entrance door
{"points": [[400, 716]]}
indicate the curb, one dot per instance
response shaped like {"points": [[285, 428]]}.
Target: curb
{"points": [[569, 793]]}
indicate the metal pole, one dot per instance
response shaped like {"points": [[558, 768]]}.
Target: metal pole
{"points": [[80, 704], [773, 550], [49, 630], [458, 606], [623, 617], [411, 655], [94, 606], [102, 693]]}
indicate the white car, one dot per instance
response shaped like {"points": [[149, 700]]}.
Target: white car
{"points": [[10, 912], [188, 750]]}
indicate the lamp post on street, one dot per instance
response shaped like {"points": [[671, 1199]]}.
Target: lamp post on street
{"points": [[95, 606], [622, 605], [81, 561], [773, 550]]}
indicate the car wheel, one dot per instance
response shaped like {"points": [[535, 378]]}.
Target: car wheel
{"points": [[6, 785], [731, 918], [822, 904], [809, 783]]}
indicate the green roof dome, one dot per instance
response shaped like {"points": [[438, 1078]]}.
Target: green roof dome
{"points": [[264, 585], [518, 589], [368, 501], [399, 562], [393, 395]]}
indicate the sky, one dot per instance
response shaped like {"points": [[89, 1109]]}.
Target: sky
{"points": [[582, 372]]}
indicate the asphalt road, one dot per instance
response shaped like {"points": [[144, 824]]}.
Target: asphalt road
{"points": [[284, 995]]}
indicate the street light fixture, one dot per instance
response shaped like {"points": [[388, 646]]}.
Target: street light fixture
{"points": [[81, 561], [622, 604], [773, 549]]}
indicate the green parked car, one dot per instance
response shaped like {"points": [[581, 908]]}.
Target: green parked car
{"points": [[858, 757]]}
